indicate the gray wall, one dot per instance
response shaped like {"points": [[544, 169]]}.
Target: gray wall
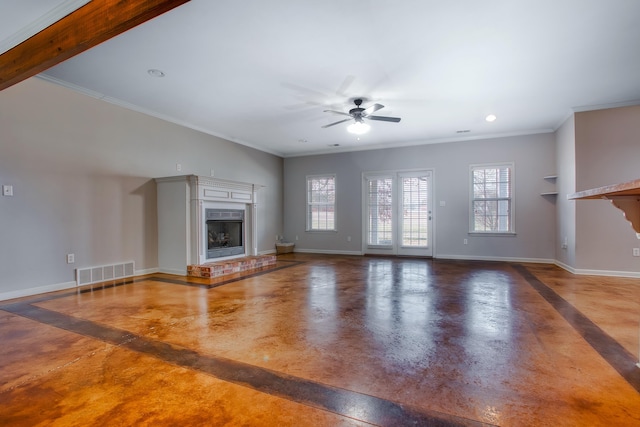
{"points": [[566, 184], [82, 172], [535, 222], [607, 146]]}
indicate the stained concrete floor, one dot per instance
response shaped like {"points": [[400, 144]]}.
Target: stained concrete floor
{"points": [[328, 341]]}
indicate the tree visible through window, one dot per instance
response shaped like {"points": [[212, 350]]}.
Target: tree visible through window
{"points": [[380, 211], [321, 202], [491, 201]]}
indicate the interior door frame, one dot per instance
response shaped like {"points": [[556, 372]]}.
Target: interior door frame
{"points": [[394, 249]]}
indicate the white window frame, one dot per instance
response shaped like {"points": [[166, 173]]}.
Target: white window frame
{"points": [[511, 198], [309, 225], [367, 177]]}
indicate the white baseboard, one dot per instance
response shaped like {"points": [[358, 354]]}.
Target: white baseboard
{"points": [[326, 252], [267, 252], [490, 258], [451, 257], [606, 273], [70, 285], [19, 293], [610, 273], [565, 266], [172, 271], [147, 271], [57, 287]]}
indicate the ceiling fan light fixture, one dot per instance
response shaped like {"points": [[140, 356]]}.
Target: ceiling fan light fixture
{"points": [[358, 128]]}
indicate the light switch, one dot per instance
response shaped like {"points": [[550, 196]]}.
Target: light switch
{"points": [[7, 190]]}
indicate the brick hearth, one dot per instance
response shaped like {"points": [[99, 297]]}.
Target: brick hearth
{"points": [[221, 268]]}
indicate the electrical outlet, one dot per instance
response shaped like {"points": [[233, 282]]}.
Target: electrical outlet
{"points": [[178, 167], [636, 251], [465, 241], [71, 258], [348, 238]]}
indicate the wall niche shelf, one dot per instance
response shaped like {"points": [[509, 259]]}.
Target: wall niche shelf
{"points": [[551, 179]]}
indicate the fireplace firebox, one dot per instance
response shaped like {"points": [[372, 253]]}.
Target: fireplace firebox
{"points": [[225, 232]]}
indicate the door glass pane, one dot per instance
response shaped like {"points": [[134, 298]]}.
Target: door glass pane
{"points": [[380, 210], [415, 212]]}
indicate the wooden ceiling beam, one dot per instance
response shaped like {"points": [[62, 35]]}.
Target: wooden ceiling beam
{"points": [[88, 26]]}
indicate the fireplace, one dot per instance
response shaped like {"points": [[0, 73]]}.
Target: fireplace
{"points": [[225, 232], [204, 219]]}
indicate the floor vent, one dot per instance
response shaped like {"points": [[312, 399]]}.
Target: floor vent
{"points": [[89, 275]]}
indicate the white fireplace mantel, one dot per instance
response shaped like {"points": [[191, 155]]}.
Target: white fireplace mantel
{"points": [[182, 201]]}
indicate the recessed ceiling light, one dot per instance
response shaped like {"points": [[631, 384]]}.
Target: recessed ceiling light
{"points": [[155, 73], [491, 118]]}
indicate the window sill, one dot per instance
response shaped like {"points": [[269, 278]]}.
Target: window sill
{"points": [[492, 234], [321, 231]]}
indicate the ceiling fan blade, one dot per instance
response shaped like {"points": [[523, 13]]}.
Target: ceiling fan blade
{"points": [[372, 109], [384, 118], [336, 123], [342, 90], [337, 112]]}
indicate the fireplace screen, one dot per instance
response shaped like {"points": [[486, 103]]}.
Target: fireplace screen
{"points": [[225, 232]]}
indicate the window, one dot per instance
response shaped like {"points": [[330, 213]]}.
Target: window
{"points": [[379, 192], [415, 211], [492, 198], [321, 203]]}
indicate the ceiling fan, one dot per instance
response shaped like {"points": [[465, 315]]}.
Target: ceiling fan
{"points": [[358, 114]]}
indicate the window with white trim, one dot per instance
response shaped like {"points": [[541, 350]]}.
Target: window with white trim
{"points": [[321, 203], [492, 198]]}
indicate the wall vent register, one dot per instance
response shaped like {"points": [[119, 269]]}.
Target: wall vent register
{"points": [[103, 273]]}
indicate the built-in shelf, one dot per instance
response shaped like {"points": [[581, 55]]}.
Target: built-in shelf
{"points": [[553, 192], [631, 188], [625, 196]]}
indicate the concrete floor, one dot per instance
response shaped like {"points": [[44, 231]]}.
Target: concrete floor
{"points": [[328, 341]]}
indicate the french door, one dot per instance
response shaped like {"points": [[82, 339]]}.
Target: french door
{"points": [[398, 213]]}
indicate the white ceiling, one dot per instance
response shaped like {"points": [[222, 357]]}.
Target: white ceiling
{"points": [[261, 72], [22, 19]]}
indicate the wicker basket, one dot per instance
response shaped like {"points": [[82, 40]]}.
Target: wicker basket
{"points": [[284, 248]]}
